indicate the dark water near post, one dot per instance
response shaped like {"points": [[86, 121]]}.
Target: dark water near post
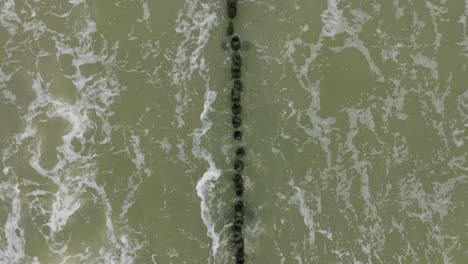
{"points": [[117, 142]]}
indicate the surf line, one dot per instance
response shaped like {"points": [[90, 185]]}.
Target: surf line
{"points": [[238, 164]]}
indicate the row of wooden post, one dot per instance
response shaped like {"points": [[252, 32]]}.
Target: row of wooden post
{"points": [[238, 164]]}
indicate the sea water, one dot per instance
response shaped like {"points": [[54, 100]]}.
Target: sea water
{"points": [[116, 142]]}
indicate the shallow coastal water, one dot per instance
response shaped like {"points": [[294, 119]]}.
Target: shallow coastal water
{"points": [[117, 143]]}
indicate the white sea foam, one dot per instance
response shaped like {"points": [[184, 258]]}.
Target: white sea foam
{"points": [[12, 230], [398, 9], [146, 16], [458, 142], [426, 200], [75, 2], [8, 17], [359, 165], [181, 148], [461, 137], [305, 211], [436, 13], [153, 258], [463, 21], [278, 249], [146, 12], [423, 205], [7, 94], [71, 180], [195, 23], [427, 63], [138, 158], [205, 186], [458, 163], [333, 21], [319, 127], [164, 144]]}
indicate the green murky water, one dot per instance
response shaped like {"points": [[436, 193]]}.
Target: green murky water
{"points": [[117, 144]]}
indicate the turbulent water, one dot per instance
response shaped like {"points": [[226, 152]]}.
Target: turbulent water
{"points": [[117, 143]]}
